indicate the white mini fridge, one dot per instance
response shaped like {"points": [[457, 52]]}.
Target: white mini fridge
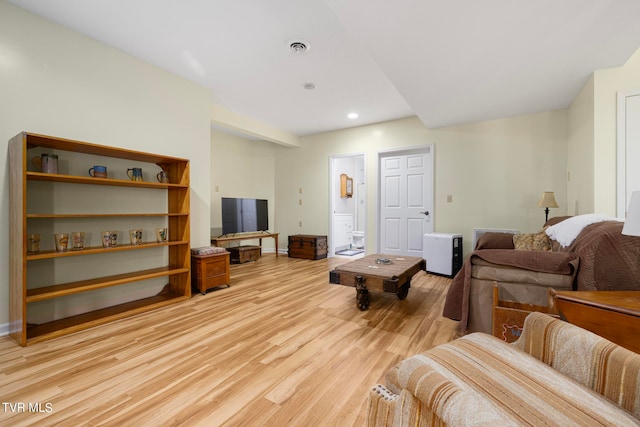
{"points": [[443, 253]]}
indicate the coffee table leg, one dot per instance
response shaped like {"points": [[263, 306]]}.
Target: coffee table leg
{"points": [[362, 293], [403, 291]]}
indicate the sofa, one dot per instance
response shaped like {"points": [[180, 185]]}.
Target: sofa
{"points": [[597, 257], [555, 374]]}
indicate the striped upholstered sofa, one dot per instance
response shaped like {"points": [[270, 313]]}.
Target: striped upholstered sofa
{"points": [[555, 374]]}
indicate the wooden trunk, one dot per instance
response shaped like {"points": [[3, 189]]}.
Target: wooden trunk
{"points": [[307, 246], [246, 253]]}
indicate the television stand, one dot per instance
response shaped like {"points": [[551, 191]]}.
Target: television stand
{"points": [[245, 236]]}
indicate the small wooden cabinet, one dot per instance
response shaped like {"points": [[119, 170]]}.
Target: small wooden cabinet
{"points": [[210, 271], [307, 246], [346, 186], [54, 293]]}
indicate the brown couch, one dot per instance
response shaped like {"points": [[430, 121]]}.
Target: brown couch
{"points": [[600, 258]]}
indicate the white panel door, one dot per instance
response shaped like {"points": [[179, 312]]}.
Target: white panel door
{"points": [[406, 211], [628, 149], [633, 147]]}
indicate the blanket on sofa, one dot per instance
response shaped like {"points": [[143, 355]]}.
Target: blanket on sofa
{"points": [[601, 257], [456, 305], [609, 260]]}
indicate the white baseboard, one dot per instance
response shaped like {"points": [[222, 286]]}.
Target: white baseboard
{"points": [[273, 251], [4, 329]]}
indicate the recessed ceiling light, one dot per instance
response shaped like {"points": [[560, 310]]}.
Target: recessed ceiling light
{"points": [[309, 86], [352, 115]]}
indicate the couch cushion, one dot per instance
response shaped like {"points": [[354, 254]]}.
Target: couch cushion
{"points": [[493, 240], [556, 219], [481, 269]]}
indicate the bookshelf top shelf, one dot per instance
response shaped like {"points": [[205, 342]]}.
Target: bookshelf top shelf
{"points": [[36, 140]]}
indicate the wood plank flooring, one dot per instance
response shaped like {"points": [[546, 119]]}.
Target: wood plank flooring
{"points": [[280, 347]]}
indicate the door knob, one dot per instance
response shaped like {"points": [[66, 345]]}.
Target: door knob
{"points": [[426, 213]]}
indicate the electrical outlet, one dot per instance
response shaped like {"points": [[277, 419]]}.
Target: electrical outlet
{"points": [[300, 202], [449, 198], [299, 223], [300, 190], [217, 188]]}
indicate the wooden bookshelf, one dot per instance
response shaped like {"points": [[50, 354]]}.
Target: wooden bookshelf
{"points": [[173, 255]]}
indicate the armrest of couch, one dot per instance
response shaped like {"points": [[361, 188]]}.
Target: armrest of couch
{"points": [[602, 366], [478, 379], [514, 283]]}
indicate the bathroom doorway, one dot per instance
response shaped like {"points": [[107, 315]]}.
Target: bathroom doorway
{"points": [[347, 206]]}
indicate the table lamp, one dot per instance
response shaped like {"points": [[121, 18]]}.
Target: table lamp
{"points": [[632, 222], [547, 200]]}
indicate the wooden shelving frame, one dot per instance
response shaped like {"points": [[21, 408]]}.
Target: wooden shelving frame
{"points": [[176, 265]]}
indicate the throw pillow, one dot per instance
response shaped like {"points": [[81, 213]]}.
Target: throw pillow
{"points": [[523, 242], [541, 242]]}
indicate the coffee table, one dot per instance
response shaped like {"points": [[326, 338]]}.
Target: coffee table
{"points": [[377, 272]]}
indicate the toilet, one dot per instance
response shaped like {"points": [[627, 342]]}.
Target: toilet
{"points": [[358, 239]]}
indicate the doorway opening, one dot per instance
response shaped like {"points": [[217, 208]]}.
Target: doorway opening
{"points": [[347, 206]]}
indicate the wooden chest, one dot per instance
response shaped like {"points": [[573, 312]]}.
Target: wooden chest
{"points": [[246, 253], [209, 271], [307, 246]]}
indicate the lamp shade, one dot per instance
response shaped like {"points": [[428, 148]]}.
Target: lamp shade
{"points": [[547, 200], [632, 222]]}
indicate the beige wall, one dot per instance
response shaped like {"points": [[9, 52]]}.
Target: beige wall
{"points": [[495, 171], [241, 168], [580, 157], [607, 84], [592, 154], [57, 82]]}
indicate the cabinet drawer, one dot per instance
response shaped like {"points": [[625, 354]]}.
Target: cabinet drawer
{"points": [[215, 267]]}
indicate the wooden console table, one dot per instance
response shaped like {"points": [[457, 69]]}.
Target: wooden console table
{"points": [[245, 236], [614, 315]]}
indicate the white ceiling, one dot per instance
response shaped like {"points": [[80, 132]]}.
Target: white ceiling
{"points": [[448, 62]]}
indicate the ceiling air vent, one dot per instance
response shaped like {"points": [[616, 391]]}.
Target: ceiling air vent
{"points": [[298, 47]]}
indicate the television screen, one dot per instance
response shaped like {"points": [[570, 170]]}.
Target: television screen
{"points": [[244, 215]]}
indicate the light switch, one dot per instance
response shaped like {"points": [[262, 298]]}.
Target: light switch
{"points": [[449, 198]]}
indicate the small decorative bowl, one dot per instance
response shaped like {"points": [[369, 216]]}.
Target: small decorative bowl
{"points": [[383, 261]]}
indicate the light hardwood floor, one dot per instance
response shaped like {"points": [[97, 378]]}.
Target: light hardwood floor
{"points": [[280, 347]]}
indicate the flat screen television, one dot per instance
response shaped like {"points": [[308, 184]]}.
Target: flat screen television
{"points": [[244, 215]]}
